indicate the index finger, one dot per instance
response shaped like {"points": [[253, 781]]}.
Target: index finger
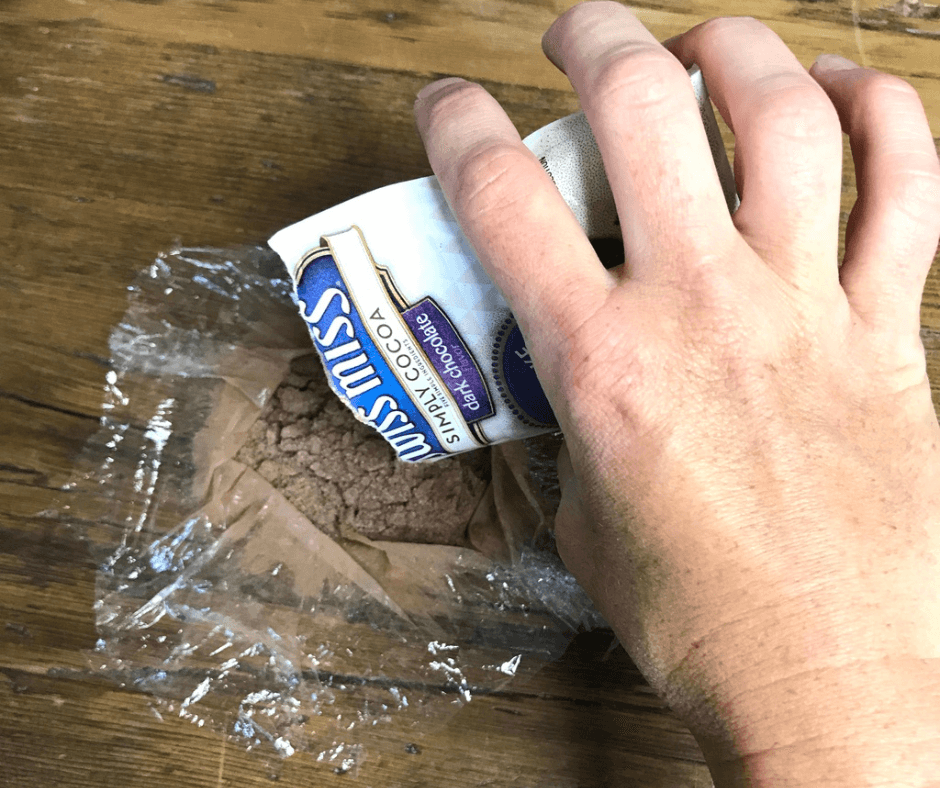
{"points": [[524, 234]]}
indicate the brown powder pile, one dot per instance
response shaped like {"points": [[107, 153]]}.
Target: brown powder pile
{"points": [[341, 474]]}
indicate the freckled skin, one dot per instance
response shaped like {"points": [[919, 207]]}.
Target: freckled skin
{"points": [[751, 478]]}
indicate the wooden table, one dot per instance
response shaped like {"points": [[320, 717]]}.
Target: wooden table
{"points": [[129, 125]]}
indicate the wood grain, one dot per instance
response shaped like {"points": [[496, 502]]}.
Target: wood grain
{"points": [[127, 126]]}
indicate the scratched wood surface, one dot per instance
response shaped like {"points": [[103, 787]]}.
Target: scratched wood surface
{"points": [[129, 125]]}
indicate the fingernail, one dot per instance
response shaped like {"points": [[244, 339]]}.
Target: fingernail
{"points": [[832, 62], [428, 91], [550, 48], [670, 41]]}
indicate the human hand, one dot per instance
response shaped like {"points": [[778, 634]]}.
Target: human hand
{"points": [[752, 478]]}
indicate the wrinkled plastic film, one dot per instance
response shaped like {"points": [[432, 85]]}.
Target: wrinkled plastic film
{"points": [[234, 610]]}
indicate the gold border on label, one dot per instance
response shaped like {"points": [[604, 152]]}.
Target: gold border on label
{"points": [[431, 371]]}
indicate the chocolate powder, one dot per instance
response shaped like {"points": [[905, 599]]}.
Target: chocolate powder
{"points": [[342, 474]]}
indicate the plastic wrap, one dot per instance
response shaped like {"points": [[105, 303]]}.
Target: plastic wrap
{"points": [[234, 610]]}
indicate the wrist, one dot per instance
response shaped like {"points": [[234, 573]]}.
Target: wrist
{"points": [[863, 724]]}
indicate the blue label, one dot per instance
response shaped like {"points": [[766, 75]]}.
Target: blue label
{"points": [[356, 367], [518, 384]]}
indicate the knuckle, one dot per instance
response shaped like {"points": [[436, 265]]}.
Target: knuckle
{"points": [[881, 92], [914, 182], [795, 107], [643, 76], [881, 95], [485, 179], [601, 368], [915, 191], [595, 367]]}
